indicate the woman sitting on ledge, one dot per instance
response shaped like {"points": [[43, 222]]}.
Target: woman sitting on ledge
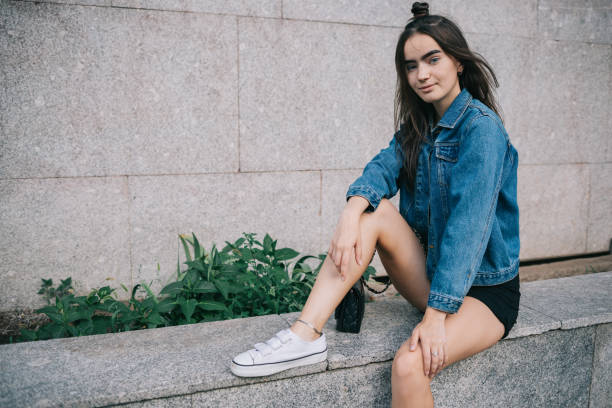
{"points": [[452, 248]]}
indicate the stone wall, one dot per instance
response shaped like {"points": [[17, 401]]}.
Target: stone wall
{"points": [[126, 122]]}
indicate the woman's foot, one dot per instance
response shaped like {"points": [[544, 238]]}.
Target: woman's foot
{"points": [[286, 349]]}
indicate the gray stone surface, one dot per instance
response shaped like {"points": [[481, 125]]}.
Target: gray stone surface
{"points": [[183, 401], [135, 366], [531, 322], [492, 17], [549, 370], [512, 59], [259, 8], [553, 202], [576, 21], [369, 386], [285, 206], [56, 228], [164, 367], [307, 98], [112, 91], [72, 2], [577, 301], [600, 207], [601, 386], [558, 131]]}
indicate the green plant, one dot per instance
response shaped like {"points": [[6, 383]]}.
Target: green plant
{"points": [[246, 278]]}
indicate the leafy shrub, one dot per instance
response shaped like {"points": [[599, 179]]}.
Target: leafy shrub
{"points": [[246, 278]]}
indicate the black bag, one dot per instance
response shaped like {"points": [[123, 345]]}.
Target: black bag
{"points": [[349, 312]]}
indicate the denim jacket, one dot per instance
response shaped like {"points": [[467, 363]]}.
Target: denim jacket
{"points": [[463, 206]]}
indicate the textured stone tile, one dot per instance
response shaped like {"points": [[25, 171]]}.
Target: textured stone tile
{"points": [[307, 98], [576, 21], [219, 208], [138, 365], [496, 16], [266, 8], [600, 208], [577, 301], [370, 386], [56, 228], [379, 338], [511, 59], [553, 203], [184, 401], [549, 370], [571, 124], [73, 2], [530, 322], [601, 392], [106, 91]]}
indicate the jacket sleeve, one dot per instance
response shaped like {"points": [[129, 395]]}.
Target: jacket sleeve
{"points": [[380, 176], [474, 187]]}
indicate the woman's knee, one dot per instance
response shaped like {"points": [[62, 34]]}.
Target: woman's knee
{"points": [[408, 365]]}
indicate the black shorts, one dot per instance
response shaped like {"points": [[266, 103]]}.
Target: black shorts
{"points": [[502, 299]]}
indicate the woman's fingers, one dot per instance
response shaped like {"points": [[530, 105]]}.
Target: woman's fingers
{"points": [[426, 358], [358, 250]]}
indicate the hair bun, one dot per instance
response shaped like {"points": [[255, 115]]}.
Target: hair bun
{"points": [[420, 9]]}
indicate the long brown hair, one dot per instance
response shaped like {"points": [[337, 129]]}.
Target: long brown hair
{"points": [[410, 111]]}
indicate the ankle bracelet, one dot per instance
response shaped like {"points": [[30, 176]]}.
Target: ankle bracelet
{"points": [[311, 326]]}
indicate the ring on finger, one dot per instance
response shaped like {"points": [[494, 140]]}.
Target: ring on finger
{"points": [[434, 353]]}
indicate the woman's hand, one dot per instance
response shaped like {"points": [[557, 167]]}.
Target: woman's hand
{"points": [[346, 242], [432, 335]]}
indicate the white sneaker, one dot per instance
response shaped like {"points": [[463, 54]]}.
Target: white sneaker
{"points": [[283, 351]]}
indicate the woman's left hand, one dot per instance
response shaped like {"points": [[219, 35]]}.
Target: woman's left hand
{"points": [[432, 335]]}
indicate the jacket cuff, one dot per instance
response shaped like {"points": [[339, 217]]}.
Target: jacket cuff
{"points": [[445, 303], [366, 192]]}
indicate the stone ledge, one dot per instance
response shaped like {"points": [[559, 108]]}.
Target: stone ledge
{"points": [[190, 364]]}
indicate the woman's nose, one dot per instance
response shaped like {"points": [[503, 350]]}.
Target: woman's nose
{"points": [[422, 73]]}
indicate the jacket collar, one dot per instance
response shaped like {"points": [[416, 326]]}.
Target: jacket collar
{"points": [[454, 111]]}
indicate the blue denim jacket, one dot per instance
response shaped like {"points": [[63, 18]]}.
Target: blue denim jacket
{"points": [[463, 206]]}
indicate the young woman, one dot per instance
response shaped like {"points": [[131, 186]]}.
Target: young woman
{"points": [[452, 248]]}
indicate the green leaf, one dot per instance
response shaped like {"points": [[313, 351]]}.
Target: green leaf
{"points": [[267, 244], [166, 305], [212, 305], [196, 247], [205, 287], [188, 307], [185, 247], [285, 253], [223, 287], [172, 289]]}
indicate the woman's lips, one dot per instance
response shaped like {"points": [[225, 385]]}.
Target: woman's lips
{"points": [[426, 88]]}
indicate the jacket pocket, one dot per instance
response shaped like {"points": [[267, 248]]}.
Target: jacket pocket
{"points": [[447, 152]]}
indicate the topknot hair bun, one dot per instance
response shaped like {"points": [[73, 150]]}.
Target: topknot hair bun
{"points": [[420, 9]]}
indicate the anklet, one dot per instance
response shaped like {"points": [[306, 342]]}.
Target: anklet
{"points": [[311, 326]]}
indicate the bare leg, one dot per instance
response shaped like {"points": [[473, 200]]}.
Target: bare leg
{"points": [[471, 330], [404, 260]]}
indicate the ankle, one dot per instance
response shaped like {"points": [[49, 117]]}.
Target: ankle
{"points": [[304, 332]]}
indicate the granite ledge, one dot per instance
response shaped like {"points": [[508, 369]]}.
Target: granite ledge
{"points": [[182, 360]]}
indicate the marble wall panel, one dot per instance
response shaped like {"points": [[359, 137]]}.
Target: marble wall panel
{"points": [[109, 91], [219, 208], [600, 208], [492, 17], [553, 204], [259, 8], [584, 21], [569, 104], [314, 95], [60, 228]]}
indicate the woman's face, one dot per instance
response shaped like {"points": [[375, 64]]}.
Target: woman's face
{"points": [[432, 74]]}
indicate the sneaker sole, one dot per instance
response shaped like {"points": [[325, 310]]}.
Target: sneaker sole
{"points": [[260, 370]]}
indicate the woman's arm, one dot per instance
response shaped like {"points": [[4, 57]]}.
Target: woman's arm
{"points": [[380, 176]]}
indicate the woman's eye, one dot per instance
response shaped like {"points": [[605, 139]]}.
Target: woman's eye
{"points": [[410, 67], [434, 60]]}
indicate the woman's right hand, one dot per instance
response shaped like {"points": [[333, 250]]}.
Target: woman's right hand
{"points": [[346, 242]]}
